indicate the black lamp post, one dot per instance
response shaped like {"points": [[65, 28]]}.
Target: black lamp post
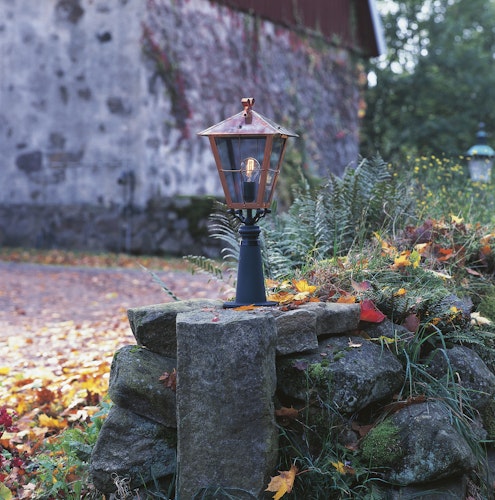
{"points": [[480, 157], [248, 150]]}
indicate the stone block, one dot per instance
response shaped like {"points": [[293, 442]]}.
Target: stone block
{"points": [[134, 447], [344, 373], [227, 436], [154, 326], [135, 384], [296, 331], [333, 318]]}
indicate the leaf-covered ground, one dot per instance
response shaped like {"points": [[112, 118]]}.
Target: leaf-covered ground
{"points": [[62, 317]]}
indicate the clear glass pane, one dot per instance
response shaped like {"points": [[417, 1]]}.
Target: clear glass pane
{"points": [[275, 160], [240, 158]]}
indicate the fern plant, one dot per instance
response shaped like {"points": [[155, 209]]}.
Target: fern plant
{"points": [[337, 217]]}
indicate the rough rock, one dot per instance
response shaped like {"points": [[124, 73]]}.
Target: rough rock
{"points": [[154, 326], [131, 446], [296, 331], [135, 384], [333, 318], [432, 448], [344, 372], [227, 435], [468, 370]]}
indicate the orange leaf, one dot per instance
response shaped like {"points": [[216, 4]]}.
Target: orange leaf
{"points": [[281, 297], [284, 412], [370, 313], [250, 307], [169, 379], [486, 249], [346, 299], [445, 254], [282, 483]]}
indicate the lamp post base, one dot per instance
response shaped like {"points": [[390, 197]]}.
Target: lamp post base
{"points": [[250, 288], [234, 304]]}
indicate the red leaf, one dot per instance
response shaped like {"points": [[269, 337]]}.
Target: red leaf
{"points": [[411, 322], [370, 313]]}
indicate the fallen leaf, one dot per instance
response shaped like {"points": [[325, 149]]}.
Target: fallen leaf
{"points": [[370, 313], [249, 307], [354, 344], [170, 379], [477, 319], [281, 297], [289, 413], [304, 286], [343, 468], [50, 422], [363, 286], [346, 299], [282, 483]]}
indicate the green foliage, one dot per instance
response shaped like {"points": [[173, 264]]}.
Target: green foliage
{"points": [[442, 188], [62, 469], [435, 83], [330, 221]]}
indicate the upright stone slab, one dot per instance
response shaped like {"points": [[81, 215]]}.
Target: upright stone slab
{"points": [[227, 438]]}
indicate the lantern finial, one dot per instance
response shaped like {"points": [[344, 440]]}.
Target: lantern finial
{"points": [[248, 103]]}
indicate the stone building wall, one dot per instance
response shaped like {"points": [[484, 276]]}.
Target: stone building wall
{"points": [[100, 102]]}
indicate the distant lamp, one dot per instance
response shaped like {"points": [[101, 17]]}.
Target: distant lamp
{"points": [[248, 150], [480, 157]]}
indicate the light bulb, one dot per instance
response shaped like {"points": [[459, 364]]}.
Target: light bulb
{"points": [[250, 169]]}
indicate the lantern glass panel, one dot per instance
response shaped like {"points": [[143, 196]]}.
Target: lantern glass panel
{"points": [[275, 163], [240, 158], [480, 169]]}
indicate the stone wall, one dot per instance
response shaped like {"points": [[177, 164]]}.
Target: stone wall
{"points": [[97, 93], [206, 384], [176, 226]]}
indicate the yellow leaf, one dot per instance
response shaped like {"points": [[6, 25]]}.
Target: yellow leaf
{"points": [[415, 258], [4, 370], [52, 423], [422, 247], [400, 292], [387, 248], [383, 339], [301, 296], [339, 466], [402, 260], [343, 468], [282, 483], [456, 220], [304, 287], [5, 493]]}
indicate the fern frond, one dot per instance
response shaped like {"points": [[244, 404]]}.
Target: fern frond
{"points": [[160, 282]]}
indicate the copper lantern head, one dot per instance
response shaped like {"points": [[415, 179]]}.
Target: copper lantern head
{"points": [[248, 150]]}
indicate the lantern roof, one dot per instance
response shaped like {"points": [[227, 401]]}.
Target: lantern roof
{"points": [[481, 148], [247, 122]]}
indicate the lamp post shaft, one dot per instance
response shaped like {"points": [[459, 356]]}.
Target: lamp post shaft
{"points": [[250, 288]]}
